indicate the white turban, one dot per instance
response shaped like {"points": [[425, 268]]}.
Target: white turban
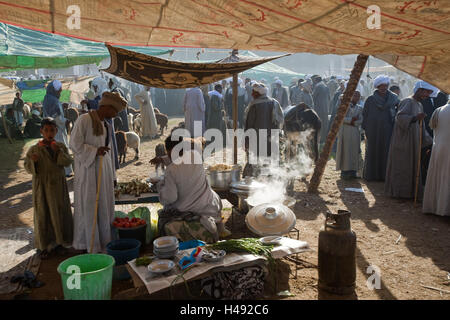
{"points": [[101, 85], [260, 88], [425, 85], [279, 82], [381, 79], [57, 85]]}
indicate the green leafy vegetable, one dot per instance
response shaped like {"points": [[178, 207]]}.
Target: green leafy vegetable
{"points": [[250, 245], [143, 261]]}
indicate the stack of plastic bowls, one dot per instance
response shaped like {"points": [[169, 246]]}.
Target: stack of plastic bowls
{"points": [[165, 247]]}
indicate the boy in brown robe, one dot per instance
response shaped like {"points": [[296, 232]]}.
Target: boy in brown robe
{"points": [[53, 224]]}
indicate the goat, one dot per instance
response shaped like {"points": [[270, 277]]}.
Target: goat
{"points": [[133, 142], [118, 124], [133, 111], [162, 121], [137, 124], [160, 151], [130, 121], [121, 140]]}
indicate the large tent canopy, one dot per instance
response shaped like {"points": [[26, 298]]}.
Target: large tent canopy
{"points": [[413, 35], [269, 70]]}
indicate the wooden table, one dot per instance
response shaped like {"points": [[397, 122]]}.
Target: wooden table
{"points": [[143, 198], [154, 197], [289, 247]]}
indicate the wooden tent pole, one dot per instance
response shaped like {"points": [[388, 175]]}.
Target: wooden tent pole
{"points": [[235, 112], [5, 125], [358, 68]]}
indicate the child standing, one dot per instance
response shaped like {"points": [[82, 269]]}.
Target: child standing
{"points": [[53, 223]]}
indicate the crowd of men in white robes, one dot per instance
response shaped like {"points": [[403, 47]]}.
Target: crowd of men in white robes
{"points": [[388, 114]]}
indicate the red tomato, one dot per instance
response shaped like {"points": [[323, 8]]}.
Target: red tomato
{"points": [[126, 225], [142, 222]]}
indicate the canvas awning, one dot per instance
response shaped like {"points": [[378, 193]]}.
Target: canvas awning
{"points": [[161, 73], [413, 35], [270, 70], [22, 48], [73, 89]]}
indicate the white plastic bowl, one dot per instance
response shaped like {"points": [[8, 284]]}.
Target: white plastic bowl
{"points": [[161, 266], [165, 242]]}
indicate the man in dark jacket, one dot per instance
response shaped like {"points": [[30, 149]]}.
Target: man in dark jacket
{"points": [[33, 125]]}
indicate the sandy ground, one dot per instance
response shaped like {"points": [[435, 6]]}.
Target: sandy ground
{"points": [[410, 249]]}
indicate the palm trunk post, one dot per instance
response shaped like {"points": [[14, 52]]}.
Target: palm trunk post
{"points": [[358, 69], [235, 115]]}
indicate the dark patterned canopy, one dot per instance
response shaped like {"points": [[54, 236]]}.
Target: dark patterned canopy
{"points": [[160, 73]]}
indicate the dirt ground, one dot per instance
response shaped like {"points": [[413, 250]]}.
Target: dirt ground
{"points": [[410, 249]]}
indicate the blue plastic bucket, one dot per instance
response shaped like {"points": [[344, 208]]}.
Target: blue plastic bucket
{"points": [[123, 250]]}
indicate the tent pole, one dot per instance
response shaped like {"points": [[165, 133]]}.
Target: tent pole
{"points": [[5, 125], [235, 103], [52, 11], [358, 68]]}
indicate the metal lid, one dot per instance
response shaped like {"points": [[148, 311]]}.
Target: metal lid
{"points": [[240, 192], [247, 184], [270, 219]]}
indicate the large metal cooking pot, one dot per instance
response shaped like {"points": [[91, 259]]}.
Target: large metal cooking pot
{"points": [[223, 179], [242, 195], [243, 189]]}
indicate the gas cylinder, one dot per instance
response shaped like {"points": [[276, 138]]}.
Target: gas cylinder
{"points": [[337, 257]]}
